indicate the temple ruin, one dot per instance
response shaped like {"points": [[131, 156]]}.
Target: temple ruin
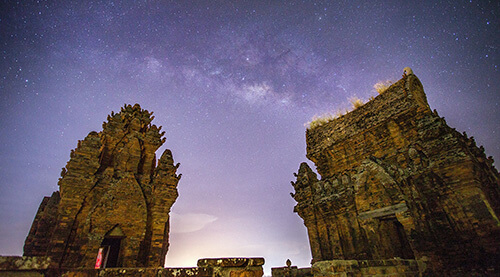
{"points": [[111, 214], [400, 193], [114, 201]]}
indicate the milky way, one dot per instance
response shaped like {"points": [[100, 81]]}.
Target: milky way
{"points": [[232, 83]]}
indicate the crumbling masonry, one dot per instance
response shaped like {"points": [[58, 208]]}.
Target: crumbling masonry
{"points": [[400, 192], [112, 197]]}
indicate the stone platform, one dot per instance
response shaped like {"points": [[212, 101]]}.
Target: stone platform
{"points": [[390, 267], [220, 267]]}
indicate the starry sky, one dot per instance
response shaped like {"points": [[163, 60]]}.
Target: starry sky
{"points": [[232, 83]]}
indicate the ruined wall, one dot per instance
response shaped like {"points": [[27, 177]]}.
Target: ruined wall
{"points": [[378, 268], [38, 240], [111, 192], [291, 271], [220, 267], [397, 181]]}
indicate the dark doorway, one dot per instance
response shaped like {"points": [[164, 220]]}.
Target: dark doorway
{"points": [[111, 251], [406, 252], [393, 239]]}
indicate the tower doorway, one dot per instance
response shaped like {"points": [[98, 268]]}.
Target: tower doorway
{"points": [[394, 239], [111, 251], [110, 248]]}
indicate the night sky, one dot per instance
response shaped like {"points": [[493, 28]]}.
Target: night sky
{"points": [[232, 83]]}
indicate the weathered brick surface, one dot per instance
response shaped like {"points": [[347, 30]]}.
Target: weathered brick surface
{"points": [[230, 262], [221, 267], [23, 263], [234, 267], [395, 267], [45, 221], [111, 187], [291, 271], [133, 272], [397, 181]]}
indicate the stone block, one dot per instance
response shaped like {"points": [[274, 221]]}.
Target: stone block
{"points": [[230, 262], [234, 267], [11, 263]]}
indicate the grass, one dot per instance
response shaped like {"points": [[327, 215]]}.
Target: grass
{"points": [[382, 86], [356, 102], [320, 120]]}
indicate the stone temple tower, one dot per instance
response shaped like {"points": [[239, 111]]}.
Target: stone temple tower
{"points": [[113, 202], [400, 192]]}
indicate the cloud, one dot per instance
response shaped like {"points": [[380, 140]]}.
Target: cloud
{"points": [[190, 222]]}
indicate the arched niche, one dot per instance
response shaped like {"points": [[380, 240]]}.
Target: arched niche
{"points": [[381, 210]]}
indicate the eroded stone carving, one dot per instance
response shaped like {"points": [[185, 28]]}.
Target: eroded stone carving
{"points": [[397, 182], [112, 196]]}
